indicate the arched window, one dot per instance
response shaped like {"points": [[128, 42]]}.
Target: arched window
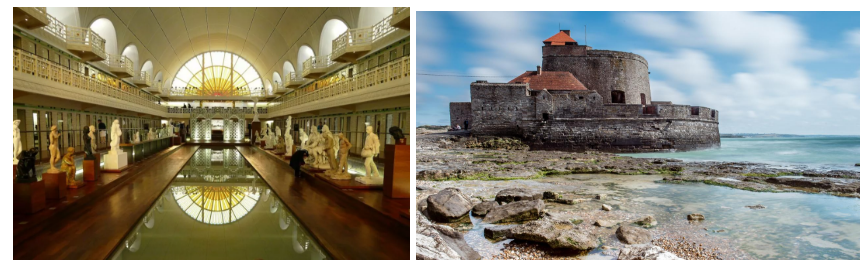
{"points": [[217, 74]]}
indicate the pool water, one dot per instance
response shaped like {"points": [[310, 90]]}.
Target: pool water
{"points": [[218, 207]]}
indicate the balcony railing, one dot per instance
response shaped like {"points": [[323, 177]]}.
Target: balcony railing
{"points": [[192, 91], [142, 79], [383, 28], [30, 17], [392, 71], [45, 69], [119, 65], [293, 80], [86, 43], [220, 110], [401, 18], [316, 66], [56, 28], [352, 44]]}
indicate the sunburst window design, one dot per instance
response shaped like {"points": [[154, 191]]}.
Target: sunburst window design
{"points": [[217, 74], [216, 205]]}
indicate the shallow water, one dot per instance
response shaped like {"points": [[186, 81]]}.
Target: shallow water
{"points": [[218, 208], [817, 152], [793, 226]]}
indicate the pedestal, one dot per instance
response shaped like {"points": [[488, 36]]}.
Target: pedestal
{"points": [[14, 172], [263, 144], [397, 171], [176, 141], [29, 198], [91, 170], [55, 185], [116, 162]]}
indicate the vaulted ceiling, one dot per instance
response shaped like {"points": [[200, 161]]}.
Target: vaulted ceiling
{"points": [[266, 36]]}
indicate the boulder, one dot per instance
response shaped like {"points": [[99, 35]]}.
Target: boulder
{"points": [[633, 235], [449, 205], [556, 233], [606, 207], [548, 195], [695, 217], [497, 233], [436, 242], [605, 223], [515, 212], [483, 208], [517, 194], [648, 252], [565, 201], [600, 196], [648, 221], [756, 207]]}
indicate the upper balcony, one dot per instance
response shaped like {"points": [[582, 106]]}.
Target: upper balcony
{"points": [[352, 44], [85, 43], [401, 18], [315, 67], [142, 80], [294, 81], [30, 17], [120, 66], [95, 90]]}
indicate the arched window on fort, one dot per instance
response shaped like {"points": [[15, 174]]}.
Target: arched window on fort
{"points": [[617, 97]]}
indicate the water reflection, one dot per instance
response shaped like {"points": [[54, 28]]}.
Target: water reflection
{"points": [[221, 209]]}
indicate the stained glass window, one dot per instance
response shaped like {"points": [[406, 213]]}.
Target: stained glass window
{"points": [[217, 74]]}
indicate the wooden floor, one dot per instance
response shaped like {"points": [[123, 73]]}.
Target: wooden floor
{"points": [[92, 232], [342, 226]]}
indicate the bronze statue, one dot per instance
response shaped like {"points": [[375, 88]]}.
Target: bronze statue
{"points": [[27, 166]]}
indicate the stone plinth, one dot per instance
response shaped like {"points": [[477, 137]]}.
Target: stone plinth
{"points": [[91, 170], [29, 198], [397, 171], [14, 171], [116, 162], [55, 185]]}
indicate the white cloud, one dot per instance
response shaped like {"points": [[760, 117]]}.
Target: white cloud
{"points": [[853, 37]]}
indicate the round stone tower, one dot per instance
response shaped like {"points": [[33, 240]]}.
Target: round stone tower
{"points": [[619, 77]]}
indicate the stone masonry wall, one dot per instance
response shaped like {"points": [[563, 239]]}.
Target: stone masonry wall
{"points": [[621, 134], [460, 113], [605, 71], [497, 108]]}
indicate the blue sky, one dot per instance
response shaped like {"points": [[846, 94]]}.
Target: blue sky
{"points": [[766, 72]]}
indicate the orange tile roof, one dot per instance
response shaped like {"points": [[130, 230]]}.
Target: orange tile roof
{"points": [[553, 80], [559, 39]]}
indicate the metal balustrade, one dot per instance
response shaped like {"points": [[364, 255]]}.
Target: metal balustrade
{"points": [[352, 44], [56, 28], [401, 18], [82, 40], [391, 71], [119, 65], [317, 66], [383, 28], [142, 79], [220, 110], [45, 69]]}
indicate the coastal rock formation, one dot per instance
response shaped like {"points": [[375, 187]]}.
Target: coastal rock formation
{"points": [[633, 235], [551, 195], [557, 234], [606, 207], [483, 208], [695, 217], [648, 252], [648, 221], [517, 194], [497, 233], [436, 242], [605, 223], [515, 212], [447, 206]]}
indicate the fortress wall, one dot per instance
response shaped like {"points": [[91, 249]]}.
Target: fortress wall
{"points": [[496, 108], [621, 135], [605, 71], [460, 112]]}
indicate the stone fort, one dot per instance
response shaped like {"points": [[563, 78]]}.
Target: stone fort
{"points": [[584, 99]]}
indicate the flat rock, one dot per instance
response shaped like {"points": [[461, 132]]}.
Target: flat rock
{"points": [[483, 208], [548, 195], [600, 196], [436, 242], [497, 233], [648, 252], [606, 207], [756, 207], [449, 205], [517, 194], [605, 223], [633, 235], [648, 221], [695, 217], [515, 212], [565, 201], [557, 234]]}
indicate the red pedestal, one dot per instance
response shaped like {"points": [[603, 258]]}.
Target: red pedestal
{"points": [[91, 170], [176, 141], [14, 172], [29, 198], [397, 171], [263, 145], [55, 185]]}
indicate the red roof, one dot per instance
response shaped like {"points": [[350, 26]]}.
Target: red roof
{"points": [[560, 38], [549, 80]]}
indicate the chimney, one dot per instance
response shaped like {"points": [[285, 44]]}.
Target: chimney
{"points": [[566, 32], [539, 71]]}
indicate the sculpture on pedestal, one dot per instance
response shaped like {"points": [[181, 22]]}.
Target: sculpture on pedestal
{"points": [[397, 135], [137, 137], [289, 139], [278, 136], [92, 136], [116, 133], [344, 146], [316, 150], [16, 141], [280, 146], [304, 139], [55, 153], [256, 138], [370, 150], [330, 147], [88, 144], [255, 111], [68, 167], [27, 166]]}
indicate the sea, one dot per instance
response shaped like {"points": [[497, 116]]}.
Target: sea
{"points": [[803, 152]]}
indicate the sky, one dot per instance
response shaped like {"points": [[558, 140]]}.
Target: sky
{"points": [[766, 72]]}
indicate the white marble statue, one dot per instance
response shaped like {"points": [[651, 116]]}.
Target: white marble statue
{"points": [[304, 139], [289, 139], [316, 150], [278, 135], [255, 111], [137, 137], [269, 140], [330, 147], [370, 151], [92, 136], [16, 141], [116, 134], [53, 149]]}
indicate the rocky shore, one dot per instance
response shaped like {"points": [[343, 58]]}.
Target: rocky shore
{"points": [[491, 198]]}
